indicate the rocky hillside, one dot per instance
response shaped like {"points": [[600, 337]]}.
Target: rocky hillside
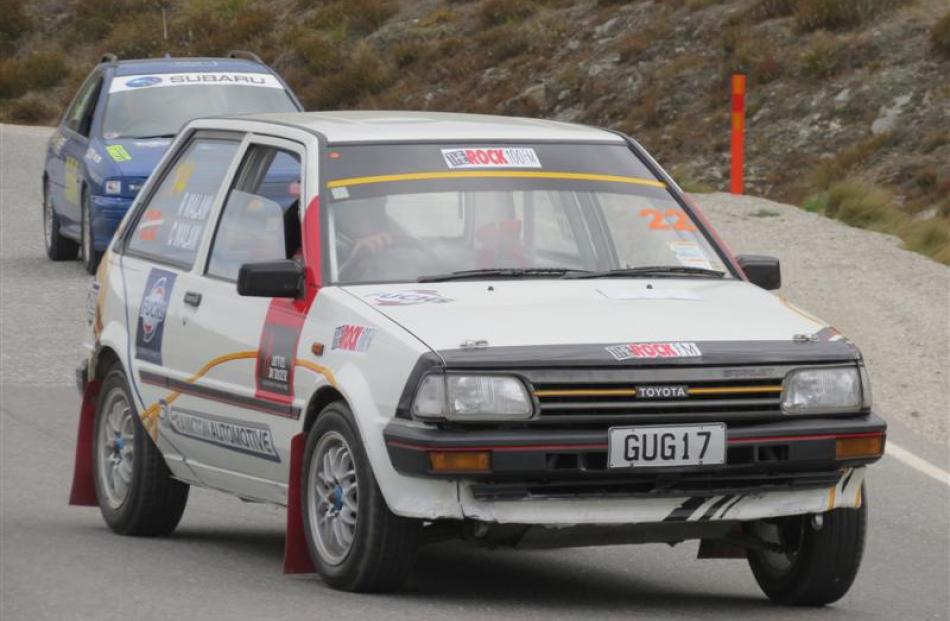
{"points": [[848, 102]]}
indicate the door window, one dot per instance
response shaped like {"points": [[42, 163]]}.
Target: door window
{"points": [[261, 217], [173, 222], [79, 115]]}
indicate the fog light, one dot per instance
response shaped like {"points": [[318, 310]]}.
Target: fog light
{"points": [[853, 448], [460, 461]]}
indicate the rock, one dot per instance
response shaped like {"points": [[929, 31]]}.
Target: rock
{"points": [[843, 97], [536, 95], [608, 28], [887, 116]]}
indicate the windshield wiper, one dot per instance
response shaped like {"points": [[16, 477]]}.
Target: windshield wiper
{"points": [[653, 270], [505, 272], [156, 136]]}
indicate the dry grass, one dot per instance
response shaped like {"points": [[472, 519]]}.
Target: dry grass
{"points": [[497, 12], [363, 74], [845, 162], [838, 14], [35, 72]]}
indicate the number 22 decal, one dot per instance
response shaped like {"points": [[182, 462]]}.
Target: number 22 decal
{"points": [[660, 223]]}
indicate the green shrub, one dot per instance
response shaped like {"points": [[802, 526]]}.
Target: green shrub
{"points": [[940, 35], [31, 109], [822, 58], [364, 74], [504, 42], [829, 171], [360, 17], [320, 55], [34, 72], [497, 12], [14, 23], [136, 37]]}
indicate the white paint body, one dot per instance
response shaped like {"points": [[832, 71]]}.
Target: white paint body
{"points": [[503, 313]]}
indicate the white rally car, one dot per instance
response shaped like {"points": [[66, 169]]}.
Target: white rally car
{"points": [[406, 327]]}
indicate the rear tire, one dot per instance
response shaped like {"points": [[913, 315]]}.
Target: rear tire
{"points": [[90, 256], [356, 542], [821, 565], [136, 493], [58, 248]]}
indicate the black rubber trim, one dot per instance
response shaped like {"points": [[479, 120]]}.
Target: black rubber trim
{"points": [[427, 363], [223, 396]]}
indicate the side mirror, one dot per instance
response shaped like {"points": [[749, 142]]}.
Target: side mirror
{"points": [[271, 279], [762, 271]]}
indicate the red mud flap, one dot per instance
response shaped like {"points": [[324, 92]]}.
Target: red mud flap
{"points": [[83, 493], [296, 552]]}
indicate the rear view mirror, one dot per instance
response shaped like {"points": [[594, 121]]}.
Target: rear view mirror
{"points": [[271, 279], [761, 270]]}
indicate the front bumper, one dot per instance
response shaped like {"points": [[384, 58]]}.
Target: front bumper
{"points": [[107, 213], [797, 454]]}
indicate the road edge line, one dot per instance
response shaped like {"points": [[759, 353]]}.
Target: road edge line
{"points": [[917, 463]]}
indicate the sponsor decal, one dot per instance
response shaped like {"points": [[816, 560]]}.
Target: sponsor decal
{"points": [[145, 80], [689, 254], [669, 220], [662, 392], [118, 153], [407, 297], [71, 180], [152, 311], [59, 141], [349, 337], [275, 359], [148, 226], [189, 221], [93, 155], [131, 83], [248, 438], [500, 157], [654, 350]]}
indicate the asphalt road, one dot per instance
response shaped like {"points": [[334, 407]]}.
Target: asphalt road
{"points": [[224, 561]]}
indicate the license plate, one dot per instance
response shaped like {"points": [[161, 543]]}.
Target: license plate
{"points": [[667, 446]]}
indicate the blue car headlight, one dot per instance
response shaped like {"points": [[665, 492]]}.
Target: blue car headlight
{"points": [[112, 187]]}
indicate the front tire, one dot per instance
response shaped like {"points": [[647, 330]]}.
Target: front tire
{"points": [[58, 247], [90, 256], [820, 564], [356, 542], [136, 493]]}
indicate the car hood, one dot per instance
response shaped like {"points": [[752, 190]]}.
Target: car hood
{"points": [[134, 158], [511, 313]]}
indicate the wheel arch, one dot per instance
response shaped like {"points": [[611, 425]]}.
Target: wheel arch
{"points": [[103, 360], [324, 396]]}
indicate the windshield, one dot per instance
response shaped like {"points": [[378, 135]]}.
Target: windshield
{"points": [[158, 105], [405, 213]]}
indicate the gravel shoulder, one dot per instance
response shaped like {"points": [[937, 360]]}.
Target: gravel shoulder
{"points": [[894, 304]]}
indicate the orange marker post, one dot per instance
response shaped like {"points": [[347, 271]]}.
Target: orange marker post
{"points": [[738, 133]]}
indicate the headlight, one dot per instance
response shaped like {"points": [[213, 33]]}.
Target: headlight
{"points": [[472, 397], [822, 391], [113, 186]]}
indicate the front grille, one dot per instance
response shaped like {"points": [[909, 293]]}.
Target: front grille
{"points": [[678, 395]]}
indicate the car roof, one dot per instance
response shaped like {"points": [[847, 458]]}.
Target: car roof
{"points": [[145, 66], [398, 126]]}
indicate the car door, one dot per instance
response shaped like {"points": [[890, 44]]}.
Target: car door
{"points": [[64, 164], [244, 396], [159, 251], [76, 130]]}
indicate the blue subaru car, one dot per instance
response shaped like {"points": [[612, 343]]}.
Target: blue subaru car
{"points": [[118, 126]]}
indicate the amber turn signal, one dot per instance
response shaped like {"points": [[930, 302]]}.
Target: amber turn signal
{"points": [[854, 448], [460, 461]]}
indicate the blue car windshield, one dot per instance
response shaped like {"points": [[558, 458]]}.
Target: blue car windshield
{"points": [[158, 105]]}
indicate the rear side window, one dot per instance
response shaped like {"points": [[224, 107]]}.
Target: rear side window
{"points": [[173, 222]]}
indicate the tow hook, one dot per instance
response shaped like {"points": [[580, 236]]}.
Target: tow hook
{"points": [[817, 521]]}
